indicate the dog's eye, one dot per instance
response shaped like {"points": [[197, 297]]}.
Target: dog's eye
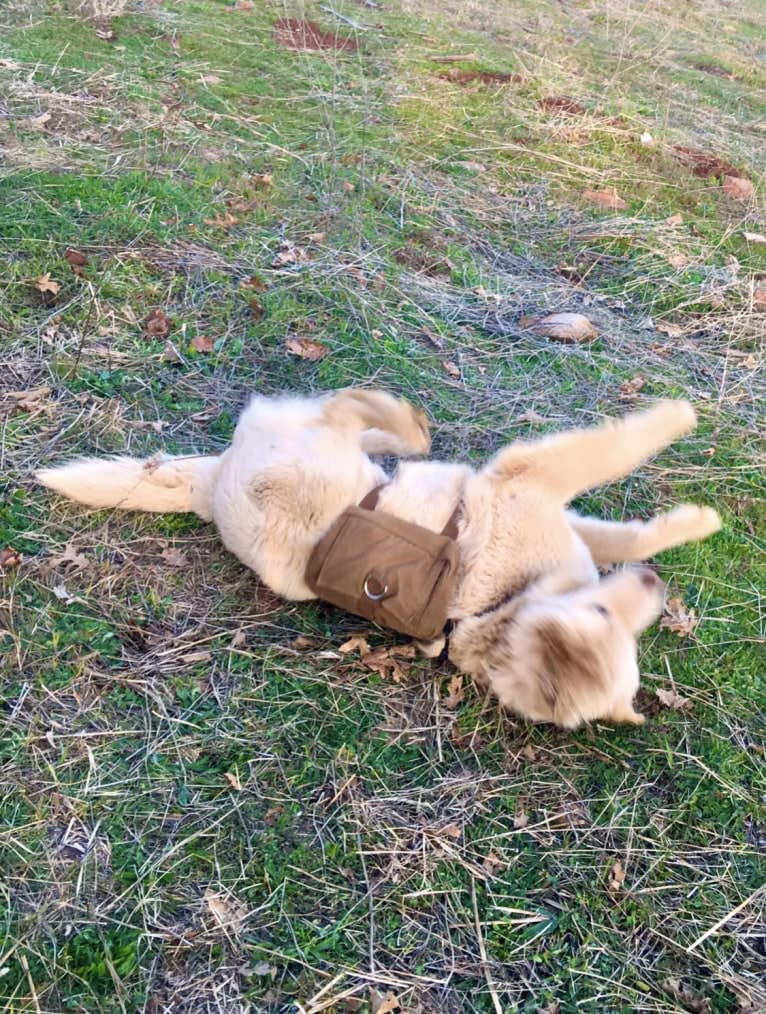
{"points": [[601, 609]]}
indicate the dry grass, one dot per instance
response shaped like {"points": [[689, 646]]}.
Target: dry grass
{"points": [[201, 813]]}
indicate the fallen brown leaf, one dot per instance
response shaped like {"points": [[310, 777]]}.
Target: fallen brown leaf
{"points": [[456, 692], [226, 910], [531, 416], [71, 559], [303, 643], [317, 237], [616, 878], [451, 830], [676, 219], [202, 343], [356, 643], [38, 122], [233, 780], [46, 284], [256, 309], [174, 557], [671, 330], [262, 179], [225, 221], [670, 699], [678, 618], [738, 188], [10, 558], [380, 660], [255, 283], [305, 348], [452, 369], [384, 1004], [520, 821], [607, 198], [561, 104], [629, 388], [288, 254], [157, 324], [686, 996], [76, 260], [563, 327], [759, 296], [678, 260], [31, 400]]}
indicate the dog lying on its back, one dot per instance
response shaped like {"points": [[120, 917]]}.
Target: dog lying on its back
{"points": [[532, 618]]}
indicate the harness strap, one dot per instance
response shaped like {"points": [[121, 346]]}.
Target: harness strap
{"points": [[370, 502]]}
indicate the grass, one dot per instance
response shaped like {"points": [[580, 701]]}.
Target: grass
{"points": [[201, 812]]}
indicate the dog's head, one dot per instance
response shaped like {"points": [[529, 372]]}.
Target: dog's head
{"points": [[566, 656]]}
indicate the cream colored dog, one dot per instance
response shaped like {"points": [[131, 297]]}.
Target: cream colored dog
{"points": [[531, 617]]}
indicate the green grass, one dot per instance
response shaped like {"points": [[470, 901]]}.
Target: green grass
{"points": [[197, 814]]}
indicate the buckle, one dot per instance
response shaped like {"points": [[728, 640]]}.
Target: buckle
{"points": [[373, 589]]}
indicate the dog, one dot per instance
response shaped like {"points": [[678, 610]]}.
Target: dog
{"points": [[532, 619]]}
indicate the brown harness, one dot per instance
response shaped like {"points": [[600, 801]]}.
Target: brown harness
{"points": [[393, 572]]}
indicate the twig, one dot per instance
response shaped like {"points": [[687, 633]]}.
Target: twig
{"points": [[483, 951], [342, 17], [729, 915]]}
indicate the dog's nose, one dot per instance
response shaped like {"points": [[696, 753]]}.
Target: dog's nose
{"points": [[650, 579]]}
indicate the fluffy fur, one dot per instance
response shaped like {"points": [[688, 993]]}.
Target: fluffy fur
{"points": [[533, 620]]}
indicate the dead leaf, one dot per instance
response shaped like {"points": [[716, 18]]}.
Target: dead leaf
{"points": [[356, 643], [289, 254], [224, 221], [348, 187], [31, 400], [562, 104], [46, 284], [531, 416], [202, 343], [529, 752], [262, 179], [759, 296], [256, 309], [174, 557], [678, 260], [238, 640], [676, 219], [255, 283], [38, 122], [305, 348], [384, 1004], [686, 996], [380, 660], [629, 388], [157, 324], [563, 327], [616, 878], [452, 369], [671, 330], [678, 618], [303, 643], [738, 188], [76, 260], [71, 560], [210, 79], [607, 198], [456, 692], [451, 830], [233, 780], [520, 821], [226, 910], [10, 558], [63, 594], [670, 699], [755, 237], [317, 237]]}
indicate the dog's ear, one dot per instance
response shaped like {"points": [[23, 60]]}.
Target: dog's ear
{"points": [[570, 670]]}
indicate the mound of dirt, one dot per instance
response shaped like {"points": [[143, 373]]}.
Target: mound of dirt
{"points": [[295, 33]]}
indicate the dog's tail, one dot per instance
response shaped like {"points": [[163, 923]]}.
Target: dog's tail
{"points": [[159, 484], [380, 413]]}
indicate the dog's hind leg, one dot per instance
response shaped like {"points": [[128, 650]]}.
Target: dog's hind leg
{"points": [[633, 541], [386, 425], [573, 462]]}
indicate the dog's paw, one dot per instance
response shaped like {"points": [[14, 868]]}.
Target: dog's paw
{"points": [[420, 434], [677, 414], [693, 522]]}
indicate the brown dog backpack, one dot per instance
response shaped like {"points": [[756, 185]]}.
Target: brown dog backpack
{"points": [[395, 573]]}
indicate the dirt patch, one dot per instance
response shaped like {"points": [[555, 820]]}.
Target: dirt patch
{"points": [[561, 104], [716, 70], [295, 33], [705, 164], [464, 77]]}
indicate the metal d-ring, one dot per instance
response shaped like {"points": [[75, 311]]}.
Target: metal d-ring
{"points": [[374, 596]]}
